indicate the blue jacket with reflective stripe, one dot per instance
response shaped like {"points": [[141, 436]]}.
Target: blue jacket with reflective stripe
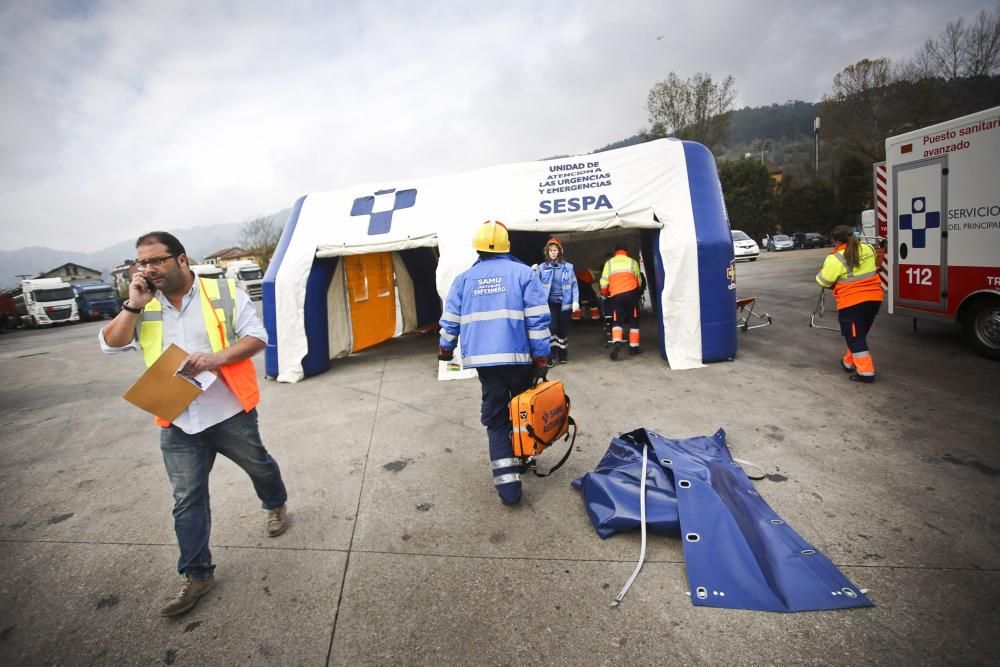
{"points": [[499, 309], [563, 278]]}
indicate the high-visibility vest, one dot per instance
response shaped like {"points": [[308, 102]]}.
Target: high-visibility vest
{"points": [[218, 308], [620, 275], [851, 284]]}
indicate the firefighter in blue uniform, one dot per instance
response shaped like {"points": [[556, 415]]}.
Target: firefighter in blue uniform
{"points": [[500, 310]]}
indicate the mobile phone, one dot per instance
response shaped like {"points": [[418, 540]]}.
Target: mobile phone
{"points": [[149, 284]]}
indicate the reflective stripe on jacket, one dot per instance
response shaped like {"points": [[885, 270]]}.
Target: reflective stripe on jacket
{"points": [[500, 310], [564, 277], [851, 285], [620, 275], [218, 308]]}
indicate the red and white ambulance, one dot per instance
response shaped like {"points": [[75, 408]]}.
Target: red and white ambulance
{"points": [[938, 204]]}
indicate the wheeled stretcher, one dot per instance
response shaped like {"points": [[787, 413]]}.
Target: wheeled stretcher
{"points": [[745, 314]]}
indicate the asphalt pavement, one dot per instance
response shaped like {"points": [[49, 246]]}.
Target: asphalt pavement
{"points": [[400, 553]]}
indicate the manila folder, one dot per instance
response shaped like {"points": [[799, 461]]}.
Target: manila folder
{"points": [[160, 391]]}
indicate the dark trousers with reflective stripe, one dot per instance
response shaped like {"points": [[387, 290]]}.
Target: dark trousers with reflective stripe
{"points": [[500, 384], [559, 330], [623, 308], [855, 323]]}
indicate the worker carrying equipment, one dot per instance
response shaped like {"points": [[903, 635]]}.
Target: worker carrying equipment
{"points": [[851, 270], [499, 310], [622, 283]]}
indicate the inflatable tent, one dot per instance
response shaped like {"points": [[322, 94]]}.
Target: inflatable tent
{"points": [[357, 266]]}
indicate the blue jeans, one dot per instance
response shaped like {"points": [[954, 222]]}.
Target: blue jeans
{"points": [[189, 460]]}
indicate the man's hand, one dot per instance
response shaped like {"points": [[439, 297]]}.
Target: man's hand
{"points": [[200, 361], [540, 369], [576, 307], [445, 354], [139, 293]]}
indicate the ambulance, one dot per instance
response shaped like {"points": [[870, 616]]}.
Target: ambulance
{"points": [[938, 205]]}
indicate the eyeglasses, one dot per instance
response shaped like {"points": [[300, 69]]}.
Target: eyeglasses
{"points": [[155, 262]]}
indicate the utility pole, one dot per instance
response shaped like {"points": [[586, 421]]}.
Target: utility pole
{"points": [[816, 132], [22, 276], [763, 146]]}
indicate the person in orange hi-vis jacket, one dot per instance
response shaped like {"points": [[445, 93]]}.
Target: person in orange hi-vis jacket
{"points": [[621, 281], [851, 271]]}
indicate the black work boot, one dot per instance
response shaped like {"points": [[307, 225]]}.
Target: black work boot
{"points": [[616, 349]]}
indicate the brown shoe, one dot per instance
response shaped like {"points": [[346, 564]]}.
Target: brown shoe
{"points": [[188, 596], [277, 521]]}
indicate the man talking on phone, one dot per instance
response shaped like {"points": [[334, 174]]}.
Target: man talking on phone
{"points": [[216, 324]]}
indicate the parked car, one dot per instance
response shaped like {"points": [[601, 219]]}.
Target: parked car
{"points": [[809, 240], [744, 247], [780, 242]]}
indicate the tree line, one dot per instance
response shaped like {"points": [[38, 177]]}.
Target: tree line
{"points": [[951, 75]]}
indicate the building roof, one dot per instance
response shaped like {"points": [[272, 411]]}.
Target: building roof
{"points": [[45, 274]]}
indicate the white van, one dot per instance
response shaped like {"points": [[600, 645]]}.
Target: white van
{"points": [[207, 271], [42, 302]]}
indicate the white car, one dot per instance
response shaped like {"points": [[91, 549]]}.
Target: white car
{"points": [[744, 247]]}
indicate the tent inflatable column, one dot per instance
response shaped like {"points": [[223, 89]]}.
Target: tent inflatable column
{"points": [[716, 272]]}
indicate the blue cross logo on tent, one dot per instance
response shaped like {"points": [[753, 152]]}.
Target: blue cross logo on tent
{"points": [[380, 207], [919, 221]]}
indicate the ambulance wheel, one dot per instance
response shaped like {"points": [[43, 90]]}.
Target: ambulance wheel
{"points": [[982, 327]]}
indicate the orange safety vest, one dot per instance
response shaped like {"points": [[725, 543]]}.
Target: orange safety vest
{"points": [[620, 275], [851, 285], [218, 307]]}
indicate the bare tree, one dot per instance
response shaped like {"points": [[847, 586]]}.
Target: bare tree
{"points": [[697, 108], [261, 234], [982, 45], [960, 50], [857, 110]]}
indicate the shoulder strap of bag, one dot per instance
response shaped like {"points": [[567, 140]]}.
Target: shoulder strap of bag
{"points": [[569, 451]]}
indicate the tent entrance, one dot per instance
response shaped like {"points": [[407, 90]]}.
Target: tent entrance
{"points": [[354, 302], [371, 298]]}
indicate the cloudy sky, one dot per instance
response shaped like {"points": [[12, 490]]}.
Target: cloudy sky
{"points": [[121, 117]]}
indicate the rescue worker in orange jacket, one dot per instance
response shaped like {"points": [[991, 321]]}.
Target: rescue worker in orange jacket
{"points": [[851, 271], [621, 282]]}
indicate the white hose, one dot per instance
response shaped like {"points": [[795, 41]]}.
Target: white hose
{"points": [[642, 523]]}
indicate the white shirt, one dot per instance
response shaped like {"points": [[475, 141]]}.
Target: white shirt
{"points": [[186, 329]]}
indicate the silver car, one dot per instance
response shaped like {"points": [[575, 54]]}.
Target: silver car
{"points": [[780, 242]]}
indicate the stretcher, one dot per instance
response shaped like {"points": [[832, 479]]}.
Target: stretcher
{"points": [[745, 311]]}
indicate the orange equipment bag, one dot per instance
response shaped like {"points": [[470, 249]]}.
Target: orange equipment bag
{"points": [[540, 416]]}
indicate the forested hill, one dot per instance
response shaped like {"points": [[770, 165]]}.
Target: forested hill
{"points": [[787, 129]]}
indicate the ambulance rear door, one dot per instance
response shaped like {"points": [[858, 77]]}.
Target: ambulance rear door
{"points": [[920, 233]]}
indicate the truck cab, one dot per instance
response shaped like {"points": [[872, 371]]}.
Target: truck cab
{"points": [[249, 277], [95, 300], [43, 302]]}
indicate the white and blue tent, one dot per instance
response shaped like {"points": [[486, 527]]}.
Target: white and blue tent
{"points": [[665, 194]]}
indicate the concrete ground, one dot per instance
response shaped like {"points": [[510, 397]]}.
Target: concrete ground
{"points": [[400, 552]]}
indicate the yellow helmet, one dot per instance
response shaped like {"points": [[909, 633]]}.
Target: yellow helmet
{"points": [[492, 236]]}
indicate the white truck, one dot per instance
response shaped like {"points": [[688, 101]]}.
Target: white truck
{"points": [[248, 275], [43, 302], [207, 271], [938, 200]]}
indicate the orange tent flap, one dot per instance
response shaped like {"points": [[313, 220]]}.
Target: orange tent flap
{"points": [[372, 300]]}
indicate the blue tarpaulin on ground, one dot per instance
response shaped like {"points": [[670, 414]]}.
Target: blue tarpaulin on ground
{"points": [[740, 554]]}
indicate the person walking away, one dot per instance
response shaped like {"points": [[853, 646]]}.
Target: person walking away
{"points": [[851, 272], [621, 282], [559, 280], [499, 310], [218, 326]]}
